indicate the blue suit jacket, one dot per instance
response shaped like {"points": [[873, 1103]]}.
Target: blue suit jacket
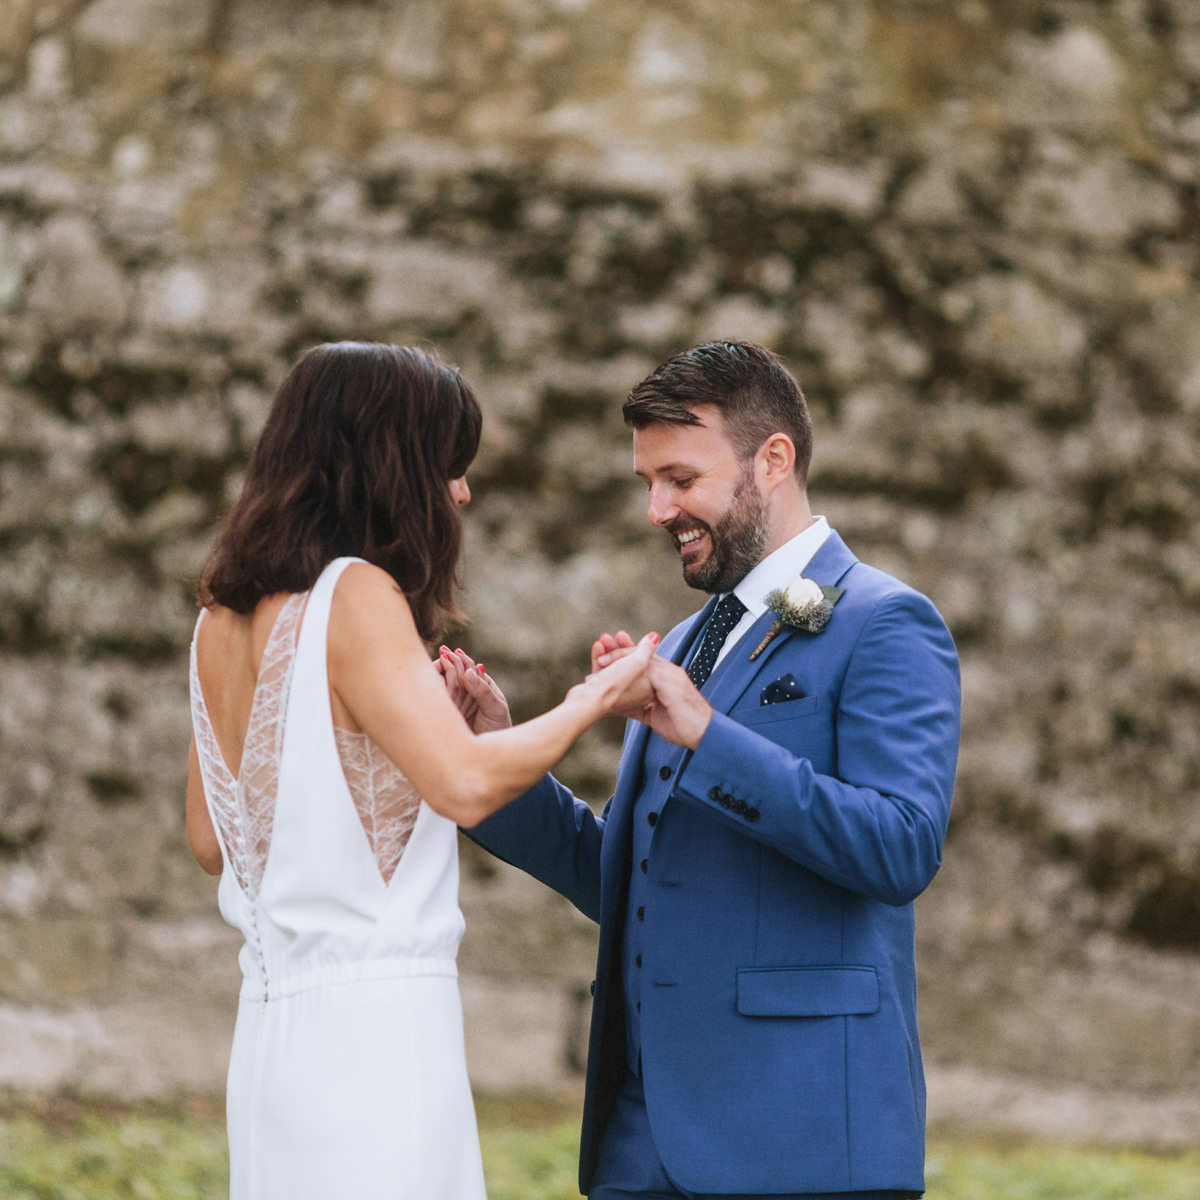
{"points": [[779, 1033]]}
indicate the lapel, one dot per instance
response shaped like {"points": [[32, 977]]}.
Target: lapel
{"points": [[736, 673], [675, 644]]}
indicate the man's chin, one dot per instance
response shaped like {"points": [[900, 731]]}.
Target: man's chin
{"points": [[700, 579]]}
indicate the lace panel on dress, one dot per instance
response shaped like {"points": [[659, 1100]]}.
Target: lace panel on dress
{"points": [[243, 807], [387, 804]]}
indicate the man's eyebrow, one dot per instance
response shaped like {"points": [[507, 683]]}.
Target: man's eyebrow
{"points": [[666, 469]]}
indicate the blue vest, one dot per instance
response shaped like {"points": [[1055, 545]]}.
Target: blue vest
{"points": [[657, 781], [658, 778]]}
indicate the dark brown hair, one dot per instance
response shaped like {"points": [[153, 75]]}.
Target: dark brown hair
{"points": [[355, 458], [756, 394]]}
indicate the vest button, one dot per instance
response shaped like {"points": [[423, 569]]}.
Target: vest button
{"points": [[637, 962], [641, 912], [645, 865], [664, 772], [652, 818]]}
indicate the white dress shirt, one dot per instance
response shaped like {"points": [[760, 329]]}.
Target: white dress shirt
{"points": [[777, 570]]}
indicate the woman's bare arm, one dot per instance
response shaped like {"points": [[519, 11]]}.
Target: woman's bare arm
{"points": [[202, 838], [380, 671]]}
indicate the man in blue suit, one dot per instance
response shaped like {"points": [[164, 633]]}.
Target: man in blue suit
{"points": [[779, 805]]}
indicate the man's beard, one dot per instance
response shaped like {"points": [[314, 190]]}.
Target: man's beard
{"points": [[736, 543]]}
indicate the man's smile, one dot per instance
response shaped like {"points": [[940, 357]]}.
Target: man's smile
{"points": [[688, 539]]}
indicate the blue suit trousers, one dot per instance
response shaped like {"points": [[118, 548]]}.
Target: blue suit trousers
{"points": [[629, 1166]]}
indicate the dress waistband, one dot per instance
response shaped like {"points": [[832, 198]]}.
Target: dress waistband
{"points": [[277, 986]]}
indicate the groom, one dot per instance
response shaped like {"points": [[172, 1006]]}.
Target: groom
{"points": [[778, 808]]}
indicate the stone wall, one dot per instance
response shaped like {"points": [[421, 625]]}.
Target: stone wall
{"points": [[972, 230]]}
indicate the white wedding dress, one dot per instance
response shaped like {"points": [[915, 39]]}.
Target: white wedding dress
{"points": [[347, 1076]]}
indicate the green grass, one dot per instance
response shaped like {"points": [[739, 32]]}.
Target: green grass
{"points": [[975, 1170], [62, 1150]]}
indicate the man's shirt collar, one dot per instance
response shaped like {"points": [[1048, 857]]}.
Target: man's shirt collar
{"points": [[781, 567]]}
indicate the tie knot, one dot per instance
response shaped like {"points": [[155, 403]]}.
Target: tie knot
{"points": [[728, 611]]}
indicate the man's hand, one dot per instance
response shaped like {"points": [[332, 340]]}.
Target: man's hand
{"points": [[678, 713], [473, 690]]}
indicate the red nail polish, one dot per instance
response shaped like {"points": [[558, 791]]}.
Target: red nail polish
{"points": [[655, 638], [480, 668]]}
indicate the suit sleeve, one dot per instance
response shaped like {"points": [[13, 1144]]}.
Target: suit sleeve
{"points": [[551, 834], [877, 825]]}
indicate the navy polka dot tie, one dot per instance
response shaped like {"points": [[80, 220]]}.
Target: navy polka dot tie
{"points": [[725, 616]]}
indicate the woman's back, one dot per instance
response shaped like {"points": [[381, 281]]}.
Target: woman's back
{"points": [[229, 660], [329, 851], [344, 885]]}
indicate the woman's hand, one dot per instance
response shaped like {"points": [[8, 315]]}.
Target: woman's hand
{"points": [[621, 688], [475, 693], [608, 648]]}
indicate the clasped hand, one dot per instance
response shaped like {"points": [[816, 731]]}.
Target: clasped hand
{"points": [[675, 709], [651, 690]]}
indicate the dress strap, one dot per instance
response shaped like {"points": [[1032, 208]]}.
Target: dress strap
{"points": [[320, 600], [385, 801]]}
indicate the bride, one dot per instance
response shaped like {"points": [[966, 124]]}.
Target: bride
{"points": [[329, 769]]}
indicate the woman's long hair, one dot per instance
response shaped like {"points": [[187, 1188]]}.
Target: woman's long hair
{"points": [[355, 458]]}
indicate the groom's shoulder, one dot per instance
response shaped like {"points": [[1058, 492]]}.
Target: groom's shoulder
{"points": [[871, 583], [868, 590]]}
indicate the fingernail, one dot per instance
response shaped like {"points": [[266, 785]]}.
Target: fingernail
{"points": [[479, 668], [445, 649], [655, 638]]}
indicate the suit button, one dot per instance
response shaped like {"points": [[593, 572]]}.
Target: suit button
{"points": [[664, 772], [641, 912], [645, 865], [637, 962], [652, 818]]}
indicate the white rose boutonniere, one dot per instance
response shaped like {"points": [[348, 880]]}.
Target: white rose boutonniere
{"points": [[803, 604]]}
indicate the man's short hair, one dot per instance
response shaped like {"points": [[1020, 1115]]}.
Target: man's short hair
{"points": [[754, 391]]}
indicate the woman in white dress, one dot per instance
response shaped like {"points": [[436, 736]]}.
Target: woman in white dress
{"points": [[329, 769]]}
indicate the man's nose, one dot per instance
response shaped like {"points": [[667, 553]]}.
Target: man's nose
{"points": [[660, 508]]}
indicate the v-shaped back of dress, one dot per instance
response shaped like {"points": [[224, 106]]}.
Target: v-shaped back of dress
{"points": [[333, 861], [243, 805]]}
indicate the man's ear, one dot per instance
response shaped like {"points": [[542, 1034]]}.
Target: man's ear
{"points": [[777, 456]]}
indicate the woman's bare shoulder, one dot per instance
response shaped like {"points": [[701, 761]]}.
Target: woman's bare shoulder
{"points": [[366, 601], [360, 574], [222, 629]]}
